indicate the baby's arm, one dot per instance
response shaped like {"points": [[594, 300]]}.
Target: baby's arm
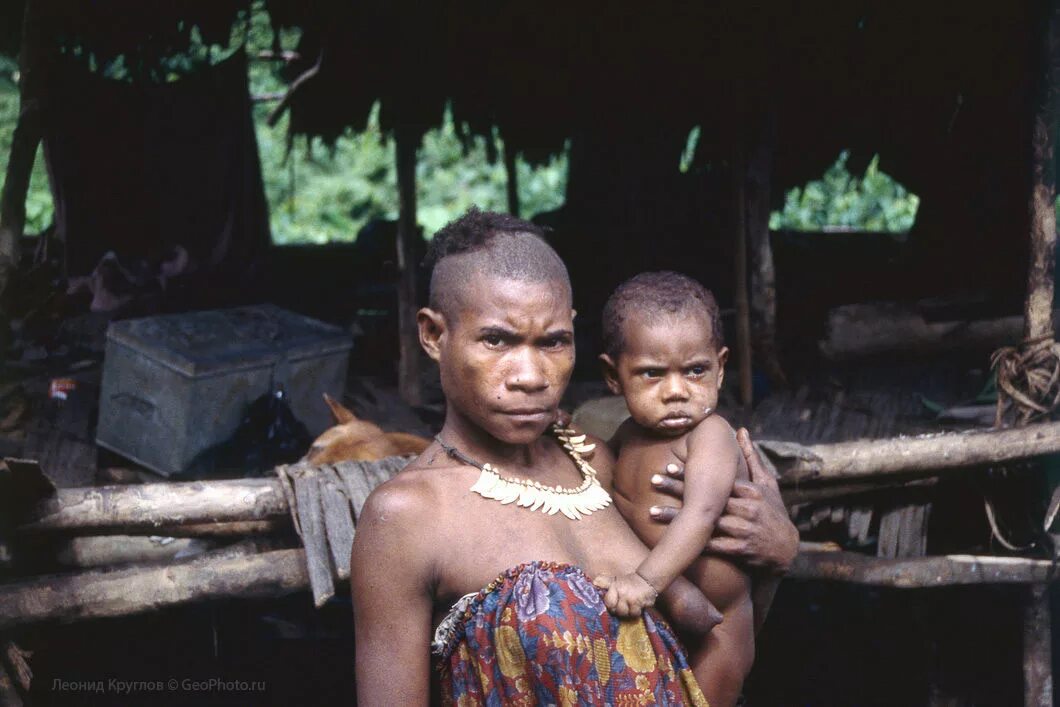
{"points": [[710, 471]]}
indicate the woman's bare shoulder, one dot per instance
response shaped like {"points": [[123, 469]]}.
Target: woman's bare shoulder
{"points": [[420, 487]]}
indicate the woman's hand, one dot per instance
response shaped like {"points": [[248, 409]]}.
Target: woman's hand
{"points": [[755, 526]]}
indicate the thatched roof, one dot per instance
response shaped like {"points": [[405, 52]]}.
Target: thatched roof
{"points": [[941, 91]]}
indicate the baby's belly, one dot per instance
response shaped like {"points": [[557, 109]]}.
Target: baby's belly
{"points": [[725, 583]]}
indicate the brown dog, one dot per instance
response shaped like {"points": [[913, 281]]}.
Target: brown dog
{"points": [[358, 440]]}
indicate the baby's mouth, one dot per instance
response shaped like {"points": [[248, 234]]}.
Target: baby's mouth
{"points": [[675, 420]]}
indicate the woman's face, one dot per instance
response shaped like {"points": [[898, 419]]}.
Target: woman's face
{"points": [[506, 354]]}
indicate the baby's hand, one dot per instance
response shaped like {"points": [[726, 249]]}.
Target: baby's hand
{"points": [[627, 594]]}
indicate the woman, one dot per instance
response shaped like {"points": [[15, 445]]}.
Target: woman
{"points": [[505, 515]]}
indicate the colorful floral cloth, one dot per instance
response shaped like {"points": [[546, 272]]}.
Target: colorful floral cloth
{"points": [[540, 635]]}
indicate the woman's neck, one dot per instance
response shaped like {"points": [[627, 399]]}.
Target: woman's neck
{"points": [[476, 443]]}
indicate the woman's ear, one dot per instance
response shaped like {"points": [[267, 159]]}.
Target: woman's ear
{"points": [[610, 374], [431, 324], [723, 356]]}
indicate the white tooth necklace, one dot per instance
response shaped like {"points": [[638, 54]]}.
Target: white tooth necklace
{"points": [[574, 503]]}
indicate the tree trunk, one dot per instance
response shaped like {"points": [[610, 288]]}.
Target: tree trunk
{"points": [[408, 140]]}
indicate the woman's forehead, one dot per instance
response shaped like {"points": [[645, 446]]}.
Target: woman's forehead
{"points": [[516, 303]]}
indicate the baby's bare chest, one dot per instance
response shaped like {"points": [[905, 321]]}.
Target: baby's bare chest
{"points": [[639, 460]]}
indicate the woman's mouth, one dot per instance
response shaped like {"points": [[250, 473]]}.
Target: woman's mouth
{"points": [[529, 415]]}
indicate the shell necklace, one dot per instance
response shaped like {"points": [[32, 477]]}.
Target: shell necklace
{"points": [[587, 497]]}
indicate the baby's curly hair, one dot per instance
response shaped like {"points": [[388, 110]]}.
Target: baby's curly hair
{"points": [[655, 293], [489, 243]]}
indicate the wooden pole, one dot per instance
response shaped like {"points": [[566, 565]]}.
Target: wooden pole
{"points": [[224, 574], [1037, 648], [1039, 304], [157, 508], [915, 456], [511, 170], [409, 386], [29, 130], [763, 305], [919, 572], [743, 306]]}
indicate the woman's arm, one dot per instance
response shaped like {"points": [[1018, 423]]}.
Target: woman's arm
{"points": [[391, 577]]}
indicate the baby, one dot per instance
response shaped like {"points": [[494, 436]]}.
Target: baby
{"points": [[664, 353]]}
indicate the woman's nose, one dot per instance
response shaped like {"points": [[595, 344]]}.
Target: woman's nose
{"points": [[527, 374]]}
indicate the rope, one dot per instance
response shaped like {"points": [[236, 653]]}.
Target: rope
{"points": [[1028, 379]]}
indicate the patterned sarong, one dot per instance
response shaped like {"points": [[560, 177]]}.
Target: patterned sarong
{"points": [[540, 635]]}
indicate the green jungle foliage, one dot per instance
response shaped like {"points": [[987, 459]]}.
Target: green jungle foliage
{"points": [[839, 201], [319, 193]]}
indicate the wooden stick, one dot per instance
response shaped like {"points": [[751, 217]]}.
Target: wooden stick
{"points": [[307, 75], [740, 298], [1042, 206], [922, 456], [794, 495], [408, 141], [9, 696], [921, 572], [511, 171], [763, 301], [1037, 648], [29, 130], [158, 507], [230, 573]]}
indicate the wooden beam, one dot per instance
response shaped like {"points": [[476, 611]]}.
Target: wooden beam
{"points": [[1042, 203], [27, 136], [740, 295], [763, 298], [794, 495], [920, 572], [225, 574], [925, 455], [409, 385], [1037, 648], [158, 507]]}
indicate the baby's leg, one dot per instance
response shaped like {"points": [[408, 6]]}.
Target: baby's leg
{"points": [[721, 659]]}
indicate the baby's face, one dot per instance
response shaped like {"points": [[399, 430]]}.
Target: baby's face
{"points": [[669, 371]]}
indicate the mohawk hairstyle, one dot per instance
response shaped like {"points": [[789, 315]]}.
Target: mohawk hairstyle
{"points": [[486, 243], [656, 293]]}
